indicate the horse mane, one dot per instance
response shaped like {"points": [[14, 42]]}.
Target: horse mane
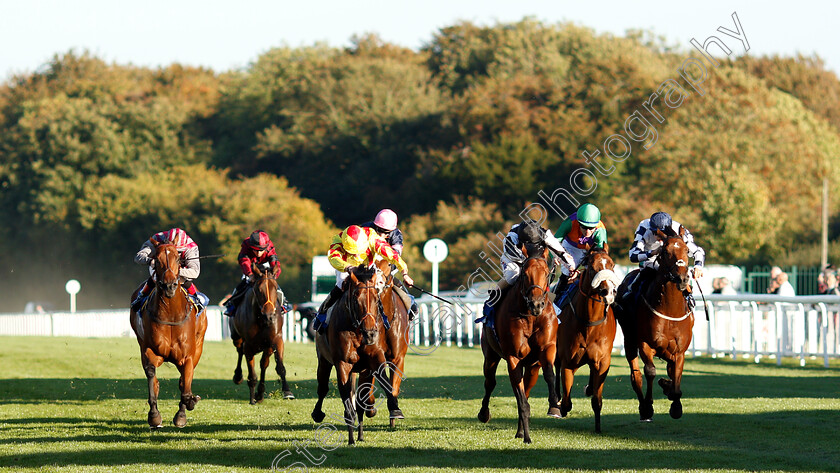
{"points": [[587, 259], [670, 233], [364, 273]]}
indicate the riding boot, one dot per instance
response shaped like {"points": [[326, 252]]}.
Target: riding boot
{"points": [[560, 288], [238, 291], [320, 322], [142, 295]]}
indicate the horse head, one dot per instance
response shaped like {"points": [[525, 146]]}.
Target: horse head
{"points": [[364, 303], [167, 264], [265, 295], [673, 258], [599, 276], [535, 278]]}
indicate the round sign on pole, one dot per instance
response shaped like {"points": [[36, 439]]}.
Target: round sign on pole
{"points": [[72, 287], [435, 250]]}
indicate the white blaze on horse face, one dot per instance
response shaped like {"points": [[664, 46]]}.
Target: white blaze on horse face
{"points": [[681, 262]]}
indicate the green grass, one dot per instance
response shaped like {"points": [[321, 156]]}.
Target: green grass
{"points": [[69, 404]]}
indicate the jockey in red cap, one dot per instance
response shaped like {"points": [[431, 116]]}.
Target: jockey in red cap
{"points": [[256, 250]]}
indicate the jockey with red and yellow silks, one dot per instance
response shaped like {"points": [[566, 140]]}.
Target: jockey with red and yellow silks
{"points": [[357, 246]]}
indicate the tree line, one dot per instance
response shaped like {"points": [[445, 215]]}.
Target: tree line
{"points": [[457, 137]]}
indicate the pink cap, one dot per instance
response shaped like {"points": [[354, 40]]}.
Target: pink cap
{"points": [[386, 219]]}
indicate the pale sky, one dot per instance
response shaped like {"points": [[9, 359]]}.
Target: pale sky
{"points": [[227, 35]]}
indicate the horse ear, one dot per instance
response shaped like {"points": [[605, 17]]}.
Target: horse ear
{"points": [[156, 243], [545, 253], [256, 269], [682, 231], [661, 235], [525, 251]]}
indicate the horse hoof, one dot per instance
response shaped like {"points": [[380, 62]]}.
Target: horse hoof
{"points": [[318, 416], [676, 410], [526, 440], [484, 415], [155, 421], [237, 378], [646, 412], [396, 414], [190, 401], [252, 402], [564, 411], [554, 412], [393, 424], [587, 391], [519, 435], [370, 412], [180, 420], [288, 395]]}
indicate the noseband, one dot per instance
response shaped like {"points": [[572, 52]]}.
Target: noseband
{"points": [[525, 291], [350, 305]]}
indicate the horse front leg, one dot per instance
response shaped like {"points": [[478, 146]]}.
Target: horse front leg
{"points": [[252, 377], [343, 372], [188, 399], [380, 373], [567, 379], [672, 386], [646, 409], [323, 376], [150, 363], [237, 373], [264, 362], [547, 358], [281, 369], [597, 376], [491, 363], [397, 370], [515, 372]]}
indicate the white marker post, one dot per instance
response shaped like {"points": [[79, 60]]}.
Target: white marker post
{"points": [[72, 287], [435, 250]]}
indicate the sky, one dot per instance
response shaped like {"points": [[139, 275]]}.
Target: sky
{"points": [[228, 35]]}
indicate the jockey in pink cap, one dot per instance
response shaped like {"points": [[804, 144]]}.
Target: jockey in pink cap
{"points": [[385, 225]]}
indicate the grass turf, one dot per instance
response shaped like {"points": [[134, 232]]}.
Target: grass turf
{"points": [[70, 404]]}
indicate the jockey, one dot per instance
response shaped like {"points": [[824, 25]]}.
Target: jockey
{"points": [[646, 247], [256, 250], [580, 232], [519, 235], [356, 246], [190, 266], [385, 225]]}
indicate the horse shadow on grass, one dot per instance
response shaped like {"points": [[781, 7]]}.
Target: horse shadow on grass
{"points": [[738, 442]]}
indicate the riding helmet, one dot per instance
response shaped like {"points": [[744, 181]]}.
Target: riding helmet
{"points": [[259, 240], [386, 219], [354, 240], [660, 221], [588, 215]]}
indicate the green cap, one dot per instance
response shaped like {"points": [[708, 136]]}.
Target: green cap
{"points": [[588, 215]]}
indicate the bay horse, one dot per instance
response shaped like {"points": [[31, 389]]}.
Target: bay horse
{"points": [[355, 340], [397, 345], [587, 331], [659, 324], [257, 327], [169, 328], [526, 337]]}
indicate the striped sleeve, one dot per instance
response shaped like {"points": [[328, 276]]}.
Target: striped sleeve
{"points": [[554, 245], [637, 251], [693, 250]]}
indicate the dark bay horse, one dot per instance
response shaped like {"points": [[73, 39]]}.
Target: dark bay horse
{"points": [[355, 340], [526, 325], [169, 329], [659, 324], [257, 327], [397, 342], [587, 332]]}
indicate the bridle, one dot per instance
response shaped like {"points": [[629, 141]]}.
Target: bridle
{"points": [[267, 307], [350, 304], [525, 291], [596, 298]]}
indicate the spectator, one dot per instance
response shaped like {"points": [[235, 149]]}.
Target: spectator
{"points": [[831, 284], [723, 286], [779, 283]]}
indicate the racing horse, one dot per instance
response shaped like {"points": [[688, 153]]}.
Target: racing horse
{"points": [[659, 323], [169, 328], [397, 342], [587, 331], [354, 341], [257, 326], [526, 337]]}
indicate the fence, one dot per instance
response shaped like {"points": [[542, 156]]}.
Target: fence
{"points": [[748, 325]]}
